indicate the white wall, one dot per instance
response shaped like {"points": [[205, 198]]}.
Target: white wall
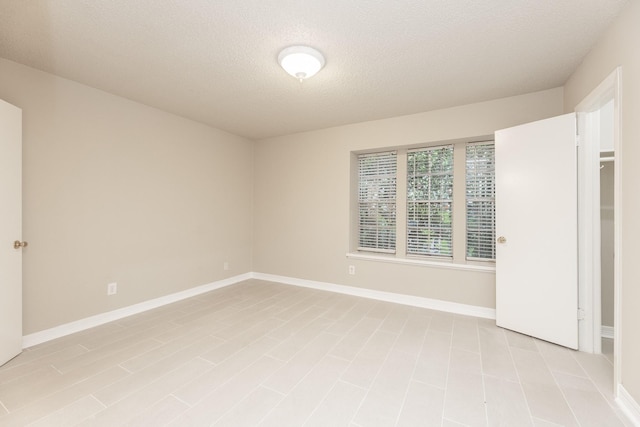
{"points": [[606, 127], [117, 191], [302, 198], [619, 47]]}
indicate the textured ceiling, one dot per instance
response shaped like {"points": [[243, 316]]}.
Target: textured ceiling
{"points": [[215, 61]]}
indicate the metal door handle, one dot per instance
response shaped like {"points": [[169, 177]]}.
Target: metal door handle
{"points": [[18, 244], [502, 239]]}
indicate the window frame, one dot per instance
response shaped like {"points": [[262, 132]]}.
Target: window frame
{"points": [[459, 260]]}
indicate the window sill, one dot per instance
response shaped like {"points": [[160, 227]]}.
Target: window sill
{"points": [[421, 262]]}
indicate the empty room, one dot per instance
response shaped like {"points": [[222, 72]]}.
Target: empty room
{"points": [[339, 213]]}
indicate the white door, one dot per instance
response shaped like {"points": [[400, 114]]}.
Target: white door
{"points": [[10, 231], [537, 223]]}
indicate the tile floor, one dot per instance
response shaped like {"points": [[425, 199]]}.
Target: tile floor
{"points": [[260, 353]]}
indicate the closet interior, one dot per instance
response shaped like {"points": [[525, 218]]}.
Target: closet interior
{"points": [[607, 168]]}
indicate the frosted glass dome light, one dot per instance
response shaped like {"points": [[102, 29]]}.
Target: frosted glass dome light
{"points": [[301, 62]]}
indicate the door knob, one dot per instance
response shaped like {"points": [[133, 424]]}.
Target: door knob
{"points": [[502, 239], [18, 244]]}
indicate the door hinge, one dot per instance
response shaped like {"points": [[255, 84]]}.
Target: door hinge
{"points": [[581, 314], [577, 140]]}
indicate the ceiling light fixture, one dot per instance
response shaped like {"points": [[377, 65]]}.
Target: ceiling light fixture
{"points": [[301, 62]]}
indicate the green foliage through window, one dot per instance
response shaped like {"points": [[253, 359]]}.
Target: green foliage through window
{"points": [[430, 201]]}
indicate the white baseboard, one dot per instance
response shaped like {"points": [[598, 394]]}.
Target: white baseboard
{"points": [[629, 406], [607, 332], [433, 304], [100, 319]]}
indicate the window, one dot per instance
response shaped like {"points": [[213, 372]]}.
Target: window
{"points": [[429, 200], [377, 202], [432, 202], [481, 196]]}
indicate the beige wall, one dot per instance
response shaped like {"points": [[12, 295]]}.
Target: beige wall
{"points": [[619, 46], [302, 215], [117, 191]]}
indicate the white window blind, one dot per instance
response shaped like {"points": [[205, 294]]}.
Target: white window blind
{"points": [[377, 202], [429, 201], [481, 196]]}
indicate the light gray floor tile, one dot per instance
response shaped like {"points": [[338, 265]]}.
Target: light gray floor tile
{"points": [[72, 414], [252, 409], [561, 359], [433, 362], [423, 405], [442, 322], [298, 340], [285, 378], [524, 342], [600, 370], [125, 409], [12, 372], [224, 398], [62, 398], [367, 363], [537, 422], [496, 354], [464, 399], [143, 377], [272, 354], [506, 403], [338, 407], [465, 361], [547, 402], [356, 338], [211, 379], [160, 414], [589, 406], [300, 403], [465, 334], [395, 320], [386, 395]]}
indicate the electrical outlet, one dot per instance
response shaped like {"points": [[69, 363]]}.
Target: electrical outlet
{"points": [[352, 269], [112, 288], [226, 265]]}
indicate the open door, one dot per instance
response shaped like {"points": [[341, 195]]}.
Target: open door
{"points": [[537, 225], [10, 231]]}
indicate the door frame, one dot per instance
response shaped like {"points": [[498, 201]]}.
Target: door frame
{"points": [[589, 215]]}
